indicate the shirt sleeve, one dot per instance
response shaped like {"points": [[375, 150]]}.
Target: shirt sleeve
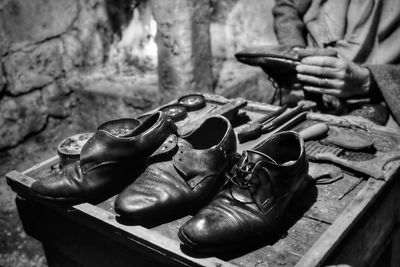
{"points": [[288, 23], [387, 80]]}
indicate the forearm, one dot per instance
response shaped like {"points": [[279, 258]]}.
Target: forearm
{"points": [[386, 79], [288, 24]]}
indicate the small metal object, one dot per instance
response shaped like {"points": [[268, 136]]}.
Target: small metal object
{"points": [[192, 102], [176, 112], [69, 149]]}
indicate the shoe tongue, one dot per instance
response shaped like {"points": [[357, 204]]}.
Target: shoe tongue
{"points": [[184, 142], [254, 157]]}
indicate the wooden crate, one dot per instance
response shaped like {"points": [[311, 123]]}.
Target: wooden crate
{"points": [[320, 229]]}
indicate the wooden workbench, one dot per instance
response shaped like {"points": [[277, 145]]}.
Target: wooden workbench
{"points": [[359, 229]]}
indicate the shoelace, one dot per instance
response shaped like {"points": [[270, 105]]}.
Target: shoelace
{"points": [[241, 174]]}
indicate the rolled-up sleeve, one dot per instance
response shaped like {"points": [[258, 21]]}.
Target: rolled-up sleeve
{"points": [[387, 79], [288, 24]]}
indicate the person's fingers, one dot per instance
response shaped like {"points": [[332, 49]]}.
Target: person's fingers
{"points": [[322, 61], [315, 51], [320, 71], [319, 90], [320, 82]]}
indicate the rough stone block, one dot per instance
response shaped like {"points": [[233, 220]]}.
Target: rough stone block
{"points": [[33, 68], [37, 20], [4, 40], [73, 56], [184, 49], [21, 116], [99, 98], [3, 80], [240, 24], [93, 31], [240, 80], [57, 100]]}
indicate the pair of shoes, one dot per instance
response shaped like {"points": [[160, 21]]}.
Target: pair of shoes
{"points": [[260, 187], [108, 161], [160, 170]]}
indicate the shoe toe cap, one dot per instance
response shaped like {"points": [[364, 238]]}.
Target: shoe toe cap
{"points": [[137, 205], [205, 229], [130, 205], [52, 187]]}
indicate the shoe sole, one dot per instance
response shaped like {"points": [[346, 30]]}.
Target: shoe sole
{"points": [[57, 199]]}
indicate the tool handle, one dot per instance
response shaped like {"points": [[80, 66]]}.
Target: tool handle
{"points": [[253, 129], [314, 131], [270, 116], [275, 123], [251, 133]]}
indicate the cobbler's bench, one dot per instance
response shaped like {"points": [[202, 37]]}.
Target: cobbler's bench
{"points": [[360, 229]]}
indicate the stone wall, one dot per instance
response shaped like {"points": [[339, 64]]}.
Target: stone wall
{"points": [[41, 41], [44, 44]]}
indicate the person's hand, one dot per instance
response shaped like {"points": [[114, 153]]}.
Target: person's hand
{"points": [[334, 76]]}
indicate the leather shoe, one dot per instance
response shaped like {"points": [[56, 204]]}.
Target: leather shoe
{"points": [[108, 161], [182, 174], [261, 186], [279, 61]]}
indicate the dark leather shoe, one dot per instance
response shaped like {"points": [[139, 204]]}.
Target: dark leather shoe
{"points": [[182, 174], [279, 61], [108, 161], [262, 184]]}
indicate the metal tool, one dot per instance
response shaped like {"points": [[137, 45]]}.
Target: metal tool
{"points": [[256, 132], [254, 127]]}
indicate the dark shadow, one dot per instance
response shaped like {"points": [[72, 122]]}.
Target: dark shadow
{"points": [[240, 119], [150, 222], [299, 205], [159, 219], [119, 13]]}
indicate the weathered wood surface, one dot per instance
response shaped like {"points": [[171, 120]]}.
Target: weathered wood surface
{"points": [[312, 231]]}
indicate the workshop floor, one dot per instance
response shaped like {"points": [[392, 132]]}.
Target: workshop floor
{"points": [[16, 248]]}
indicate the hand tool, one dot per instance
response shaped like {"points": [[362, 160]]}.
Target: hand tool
{"points": [[314, 131], [228, 110], [254, 127], [256, 132]]}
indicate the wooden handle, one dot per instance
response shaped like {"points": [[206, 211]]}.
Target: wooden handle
{"points": [[314, 131]]}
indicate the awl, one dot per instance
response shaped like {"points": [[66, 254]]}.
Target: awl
{"points": [[255, 132], [254, 127]]}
